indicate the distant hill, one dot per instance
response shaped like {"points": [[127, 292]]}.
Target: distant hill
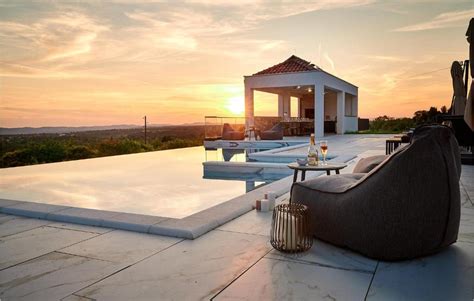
{"points": [[72, 129], [64, 130]]}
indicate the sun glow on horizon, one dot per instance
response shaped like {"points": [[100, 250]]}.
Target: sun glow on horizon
{"points": [[97, 64], [235, 105]]}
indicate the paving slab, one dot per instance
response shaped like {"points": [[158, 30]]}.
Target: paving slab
{"points": [[6, 217], [253, 222], [6, 203], [466, 227], [52, 277], [27, 245], [448, 275], [11, 225], [190, 270], [76, 298], [91, 217], [272, 279], [121, 246], [78, 227], [132, 222], [468, 182], [188, 227], [325, 254], [30, 209], [465, 199]]}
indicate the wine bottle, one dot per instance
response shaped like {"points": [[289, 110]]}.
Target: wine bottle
{"points": [[313, 155]]}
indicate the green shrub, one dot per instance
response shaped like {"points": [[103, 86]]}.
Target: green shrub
{"points": [[50, 151], [385, 124], [78, 152], [18, 158], [19, 150], [122, 146], [179, 143]]}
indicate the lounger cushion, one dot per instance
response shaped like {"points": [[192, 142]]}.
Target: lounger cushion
{"points": [[228, 133], [365, 165], [331, 184], [275, 133]]}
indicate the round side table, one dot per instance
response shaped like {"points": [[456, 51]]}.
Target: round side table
{"points": [[303, 168]]}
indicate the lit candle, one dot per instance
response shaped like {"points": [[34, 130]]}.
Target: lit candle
{"points": [[289, 231]]}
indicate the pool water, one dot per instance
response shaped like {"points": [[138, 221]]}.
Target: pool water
{"points": [[164, 183]]}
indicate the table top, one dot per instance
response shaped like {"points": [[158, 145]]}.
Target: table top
{"points": [[394, 139], [328, 166]]}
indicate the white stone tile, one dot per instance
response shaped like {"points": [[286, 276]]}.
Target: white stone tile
{"points": [[254, 222], [132, 222], [328, 255], [222, 213], [19, 224], [465, 200], [188, 227], [448, 275], [190, 270], [273, 279], [77, 227], [91, 217], [468, 182], [466, 227], [6, 203], [26, 245], [52, 277], [75, 298], [30, 209], [468, 193], [467, 171], [7, 217], [121, 246]]}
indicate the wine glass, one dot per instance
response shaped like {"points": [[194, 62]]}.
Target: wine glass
{"points": [[324, 150]]}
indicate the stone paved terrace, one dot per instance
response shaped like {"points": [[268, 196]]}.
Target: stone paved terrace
{"points": [[45, 260]]}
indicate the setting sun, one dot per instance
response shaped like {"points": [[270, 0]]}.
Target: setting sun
{"points": [[236, 105]]}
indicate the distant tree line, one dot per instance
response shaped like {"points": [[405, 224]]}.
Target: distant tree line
{"points": [[388, 125], [20, 150]]}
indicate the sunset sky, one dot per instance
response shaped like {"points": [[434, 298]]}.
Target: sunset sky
{"points": [[112, 62]]}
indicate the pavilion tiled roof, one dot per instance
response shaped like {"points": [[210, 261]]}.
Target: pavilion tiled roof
{"points": [[292, 64]]}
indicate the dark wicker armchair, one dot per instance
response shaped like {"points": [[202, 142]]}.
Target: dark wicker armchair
{"points": [[407, 206]]}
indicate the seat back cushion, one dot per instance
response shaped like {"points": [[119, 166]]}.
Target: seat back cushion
{"points": [[365, 165]]}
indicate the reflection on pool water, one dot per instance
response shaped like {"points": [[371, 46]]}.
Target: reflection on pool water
{"points": [[230, 155], [165, 183]]}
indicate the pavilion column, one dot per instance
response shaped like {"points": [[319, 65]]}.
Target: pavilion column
{"points": [[355, 105], [319, 110], [280, 105], [249, 107], [341, 108], [355, 109], [284, 105], [299, 114]]}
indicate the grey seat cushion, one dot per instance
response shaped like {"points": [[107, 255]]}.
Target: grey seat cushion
{"points": [[332, 184], [228, 133], [365, 165]]}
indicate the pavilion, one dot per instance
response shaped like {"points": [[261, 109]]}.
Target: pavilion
{"points": [[321, 95]]}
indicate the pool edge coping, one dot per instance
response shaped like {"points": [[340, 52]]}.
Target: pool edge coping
{"points": [[189, 227]]}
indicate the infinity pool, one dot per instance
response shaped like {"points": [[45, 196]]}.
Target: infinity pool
{"points": [[164, 183]]}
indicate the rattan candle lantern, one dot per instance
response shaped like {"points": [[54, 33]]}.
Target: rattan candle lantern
{"points": [[290, 228]]}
